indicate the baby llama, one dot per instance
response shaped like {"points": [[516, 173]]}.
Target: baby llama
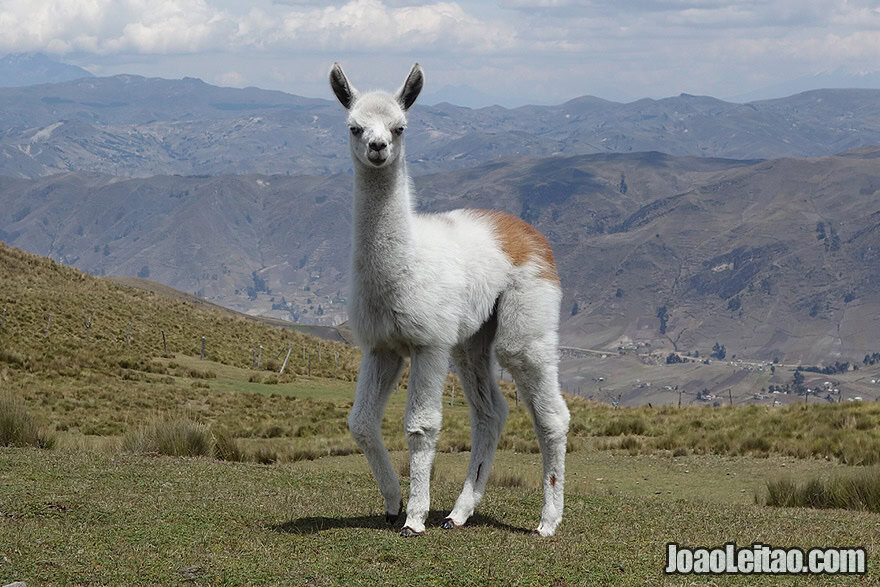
{"points": [[466, 284]]}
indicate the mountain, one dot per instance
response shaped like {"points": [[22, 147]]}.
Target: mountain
{"points": [[27, 69], [839, 78], [773, 259], [134, 126]]}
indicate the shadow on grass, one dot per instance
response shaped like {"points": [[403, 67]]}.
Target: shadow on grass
{"points": [[313, 525]]}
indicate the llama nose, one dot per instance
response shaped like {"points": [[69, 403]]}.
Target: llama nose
{"points": [[377, 145]]}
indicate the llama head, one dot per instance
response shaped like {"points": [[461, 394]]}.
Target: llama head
{"points": [[376, 120]]}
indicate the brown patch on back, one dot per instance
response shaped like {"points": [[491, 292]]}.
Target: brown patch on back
{"points": [[553, 480], [521, 242]]}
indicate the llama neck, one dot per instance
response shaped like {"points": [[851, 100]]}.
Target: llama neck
{"points": [[382, 218]]}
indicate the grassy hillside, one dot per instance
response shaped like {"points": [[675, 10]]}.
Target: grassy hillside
{"points": [[56, 319]]}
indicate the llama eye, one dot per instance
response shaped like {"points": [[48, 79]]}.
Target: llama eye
{"points": [[356, 130], [399, 130]]}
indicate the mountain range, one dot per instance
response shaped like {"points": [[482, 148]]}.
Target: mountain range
{"points": [[139, 127], [27, 69]]}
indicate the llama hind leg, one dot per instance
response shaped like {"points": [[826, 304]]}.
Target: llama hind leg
{"points": [[424, 407], [488, 414], [377, 376], [540, 390], [527, 345]]}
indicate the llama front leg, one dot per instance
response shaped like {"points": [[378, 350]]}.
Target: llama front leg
{"points": [[488, 414], [428, 368], [377, 376]]}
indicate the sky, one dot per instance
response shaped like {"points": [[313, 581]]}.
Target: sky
{"points": [[509, 52]]}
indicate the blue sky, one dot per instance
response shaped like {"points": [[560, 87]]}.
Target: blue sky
{"points": [[510, 52]]}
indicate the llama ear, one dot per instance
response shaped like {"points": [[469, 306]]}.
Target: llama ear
{"points": [[344, 91], [407, 95]]}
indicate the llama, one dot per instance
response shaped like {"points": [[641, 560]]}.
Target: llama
{"points": [[465, 285]]}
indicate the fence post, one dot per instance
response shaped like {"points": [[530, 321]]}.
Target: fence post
{"points": [[48, 322], [260, 356], [164, 345], [88, 324], [128, 334], [202, 356], [730, 395], [287, 358]]}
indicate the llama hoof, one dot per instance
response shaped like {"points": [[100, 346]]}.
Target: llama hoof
{"points": [[408, 532], [448, 524], [392, 518]]}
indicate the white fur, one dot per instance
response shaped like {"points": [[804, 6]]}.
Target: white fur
{"points": [[433, 287]]}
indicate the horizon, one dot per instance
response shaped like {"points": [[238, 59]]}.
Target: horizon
{"points": [[438, 97], [509, 52]]}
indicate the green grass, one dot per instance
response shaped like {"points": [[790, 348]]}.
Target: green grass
{"points": [[72, 517]]}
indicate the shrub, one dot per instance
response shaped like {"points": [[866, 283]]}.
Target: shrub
{"points": [[672, 358], [177, 437], [18, 426]]}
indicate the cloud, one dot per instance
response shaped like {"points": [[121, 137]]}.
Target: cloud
{"points": [[188, 26], [110, 26], [372, 24]]}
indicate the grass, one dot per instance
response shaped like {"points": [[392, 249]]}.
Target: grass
{"points": [[853, 490], [18, 427], [70, 517], [47, 305], [227, 448], [176, 437]]}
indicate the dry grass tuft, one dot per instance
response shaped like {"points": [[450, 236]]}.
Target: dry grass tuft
{"points": [[851, 491], [176, 437], [18, 426], [226, 448]]}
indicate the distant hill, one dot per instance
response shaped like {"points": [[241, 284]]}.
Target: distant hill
{"points": [[134, 126], [27, 69], [769, 258]]}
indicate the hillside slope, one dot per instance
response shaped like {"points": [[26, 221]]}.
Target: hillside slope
{"points": [[772, 259], [58, 322]]}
